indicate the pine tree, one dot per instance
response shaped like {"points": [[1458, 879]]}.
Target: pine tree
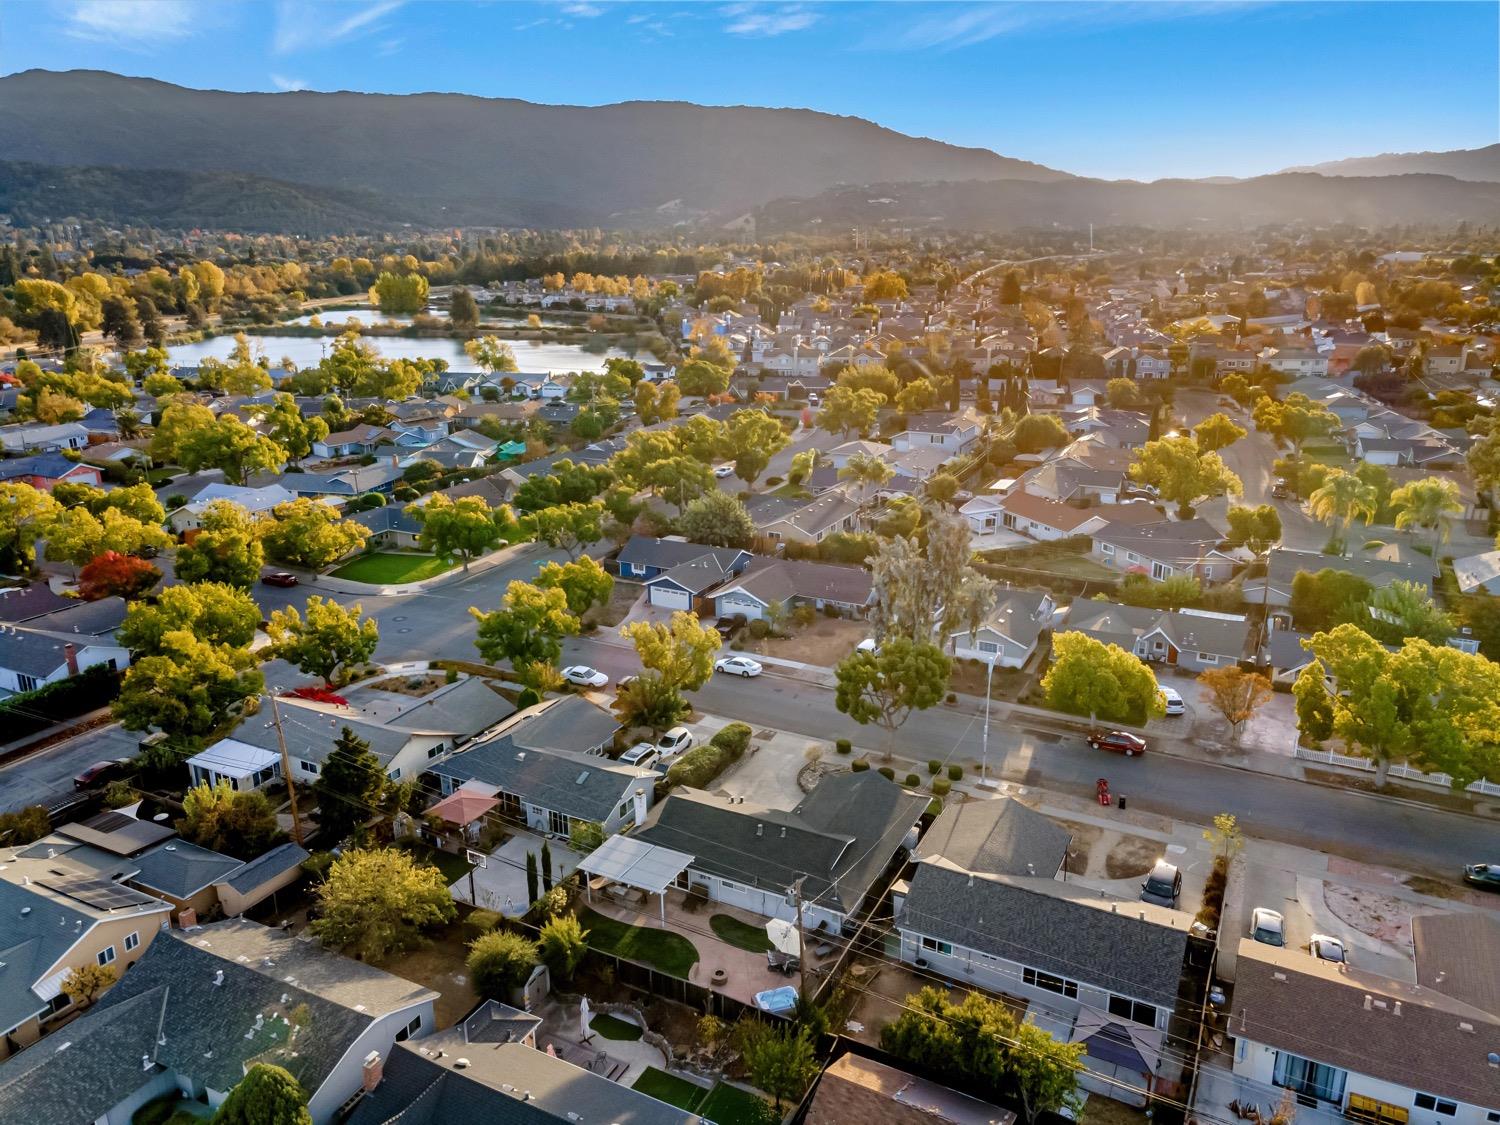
{"points": [[546, 867], [531, 883], [350, 784]]}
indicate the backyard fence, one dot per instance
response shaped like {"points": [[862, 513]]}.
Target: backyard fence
{"points": [[1401, 772]]}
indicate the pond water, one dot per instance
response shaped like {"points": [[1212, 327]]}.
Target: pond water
{"points": [[363, 315], [306, 351]]}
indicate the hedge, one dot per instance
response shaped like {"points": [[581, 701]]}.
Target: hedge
{"points": [[843, 746], [887, 773], [700, 765], [941, 786], [859, 765], [34, 711]]}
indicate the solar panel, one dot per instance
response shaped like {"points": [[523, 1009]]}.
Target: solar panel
{"points": [[100, 894]]}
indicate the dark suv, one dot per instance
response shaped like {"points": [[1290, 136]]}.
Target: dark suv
{"points": [[1163, 885]]}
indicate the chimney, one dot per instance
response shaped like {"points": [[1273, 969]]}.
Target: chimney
{"points": [[70, 654], [639, 796], [372, 1071], [187, 918]]}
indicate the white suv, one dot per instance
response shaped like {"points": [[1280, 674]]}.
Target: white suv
{"points": [[674, 742]]}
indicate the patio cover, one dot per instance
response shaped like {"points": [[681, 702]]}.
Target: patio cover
{"points": [[463, 807], [231, 758], [646, 867]]}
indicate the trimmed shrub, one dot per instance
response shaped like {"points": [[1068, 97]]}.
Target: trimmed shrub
{"points": [[527, 698], [843, 746], [759, 630], [887, 773], [1213, 893], [859, 765], [734, 738], [934, 808], [952, 697], [934, 766], [25, 826], [912, 781], [955, 772], [34, 711], [700, 765], [941, 786]]}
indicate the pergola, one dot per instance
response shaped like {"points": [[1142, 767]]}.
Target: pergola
{"points": [[635, 863], [462, 808]]}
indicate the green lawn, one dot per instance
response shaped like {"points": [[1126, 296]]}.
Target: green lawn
{"points": [[612, 1028], [742, 935], [454, 867], [391, 568], [669, 1088], [661, 949], [1077, 566], [729, 1105]]}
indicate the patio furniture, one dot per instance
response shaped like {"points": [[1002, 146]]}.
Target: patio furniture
{"points": [[784, 963]]}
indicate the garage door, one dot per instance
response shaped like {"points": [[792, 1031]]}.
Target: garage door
{"points": [[670, 597]]}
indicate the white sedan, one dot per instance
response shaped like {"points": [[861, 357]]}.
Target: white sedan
{"points": [[738, 666], [584, 676], [724, 471]]}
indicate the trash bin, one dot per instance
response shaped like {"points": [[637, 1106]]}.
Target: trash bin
{"points": [[1122, 800]]}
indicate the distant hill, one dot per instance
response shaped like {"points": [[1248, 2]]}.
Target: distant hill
{"points": [[1462, 164], [34, 194], [972, 205], [461, 159]]}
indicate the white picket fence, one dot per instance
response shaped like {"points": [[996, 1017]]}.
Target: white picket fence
{"points": [[1399, 772]]}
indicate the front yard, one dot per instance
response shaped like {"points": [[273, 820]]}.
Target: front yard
{"points": [[825, 642], [393, 568]]}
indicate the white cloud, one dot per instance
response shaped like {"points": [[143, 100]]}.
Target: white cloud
{"points": [[283, 83], [767, 19], [965, 25], [133, 23], [582, 10], [300, 27]]}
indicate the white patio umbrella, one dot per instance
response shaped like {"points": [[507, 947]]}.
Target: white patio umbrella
{"points": [[783, 936], [585, 1013]]}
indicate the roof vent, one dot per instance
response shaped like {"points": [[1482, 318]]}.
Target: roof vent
{"points": [[1466, 1027], [25, 910], [218, 977], [760, 830], [1369, 1001], [1114, 908], [584, 776], [460, 1064], [1142, 915], [783, 831], [1396, 1011], [1278, 976], [145, 1062]]}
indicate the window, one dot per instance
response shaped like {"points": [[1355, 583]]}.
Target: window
{"points": [[557, 823], [1208, 658], [1436, 1105], [624, 809], [25, 682], [307, 767], [1037, 979], [409, 1030], [1493, 1115], [1105, 548], [107, 955], [395, 774], [1303, 1076], [58, 1003], [988, 646], [1131, 556], [132, 941], [936, 946], [1134, 1010], [725, 884]]}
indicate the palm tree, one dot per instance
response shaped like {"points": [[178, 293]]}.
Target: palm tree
{"points": [[1341, 498], [1427, 503], [865, 469]]}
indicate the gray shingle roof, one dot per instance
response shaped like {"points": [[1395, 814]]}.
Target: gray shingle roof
{"points": [[266, 867], [569, 723], [642, 550], [30, 944], [180, 870], [997, 838], [1056, 927]]}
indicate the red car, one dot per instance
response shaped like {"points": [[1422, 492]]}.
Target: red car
{"points": [[280, 578], [99, 772], [1118, 742]]}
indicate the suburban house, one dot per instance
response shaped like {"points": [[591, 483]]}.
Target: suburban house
{"points": [[792, 582], [986, 910], [854, 1090], [406, 735], [199, 1008], [31, 656], [1163, 548], [548, 787], [1194, 639], [813, 522], [837, 841], [390, 525], [57, 914], [1039, 518], [1284, 657], [1478, 572], [1011, 631], [43, 470], [344, 483], [256, 501], [41, 437], [1295, 362], [643, 557], [362, 439], [684, 584], [952, 433], [1368, 1048], [1275, 587], [477, 1072]]}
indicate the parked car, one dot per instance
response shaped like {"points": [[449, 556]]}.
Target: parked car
{"points": [[722, 471], [100, 772], [1483, 875], [674, 742], [1267, 926], [1175, 705], [1118, 742], [1279, 488], [725, 626], [642, 755], [1327, 948], [1163, 885], [870, 645], [279, 578], [624, 682], [737, 666], [584, 676]]}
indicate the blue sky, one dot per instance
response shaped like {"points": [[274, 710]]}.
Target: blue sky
{"points": [[1121, 89]]}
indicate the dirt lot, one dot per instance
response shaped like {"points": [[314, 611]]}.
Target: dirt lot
{"points": [[440, 966], [825, 642], [613, 612], [410, 685], [1102, 854], [1009, 685]]}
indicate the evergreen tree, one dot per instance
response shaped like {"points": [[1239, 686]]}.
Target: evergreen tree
{"points": [[532, 893], [546, 867], [267, 1095], [351, 783]]}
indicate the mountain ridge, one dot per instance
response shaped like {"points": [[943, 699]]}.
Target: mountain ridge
{"points": [[1480, 165]]}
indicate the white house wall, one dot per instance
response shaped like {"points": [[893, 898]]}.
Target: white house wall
{"points": [[348, 1073]]}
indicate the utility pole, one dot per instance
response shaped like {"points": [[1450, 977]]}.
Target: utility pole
{"points": [[286, 771], [984, 738], [801, 943]]}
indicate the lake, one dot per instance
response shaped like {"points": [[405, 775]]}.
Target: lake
{"points": [[306, 351], [364, 316]]}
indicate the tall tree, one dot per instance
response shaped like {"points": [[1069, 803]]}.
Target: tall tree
{"points": [[463, 310], [584, 582], [267, 1095], [1236, 694], [884, 688], [328, 638], [753, 437], [1341, 499], [1182, 473], [682, 651], [378, 902], [527, 628], [309, 534], [349, 786], [25, 512], [567, 527], [467, 527], [217, 817], [717, 519], [187, 688], [1295, 419], [226, 548], [1101, 681], [1216, 432], [1429, 504], [492, 354]]}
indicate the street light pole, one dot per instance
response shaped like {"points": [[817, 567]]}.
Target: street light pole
{"points": [[984, 752]]}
